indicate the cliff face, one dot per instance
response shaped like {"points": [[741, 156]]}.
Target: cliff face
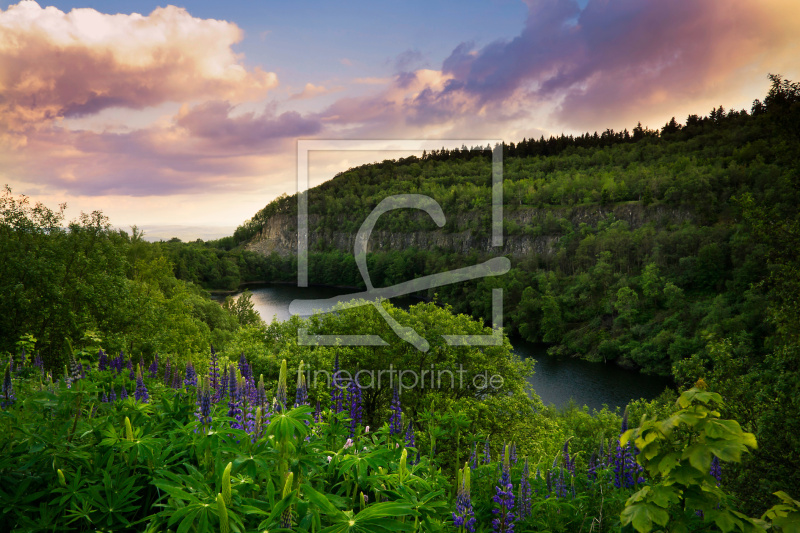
{"points": [[279, 234]]}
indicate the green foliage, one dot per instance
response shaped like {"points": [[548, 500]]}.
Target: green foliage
{"points": [[677, 453]]}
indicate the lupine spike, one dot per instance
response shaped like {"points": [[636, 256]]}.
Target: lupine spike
{"points": [[525, 492], [224, 526], [128, 429], [301, 394], [504, 500], [141, 389], [280, 394], [396, 419], [286, 516], [226, 484]]}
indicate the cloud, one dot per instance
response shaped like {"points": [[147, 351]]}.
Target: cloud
{"points": [[212, 121], [312, 91], [622, 57], [61, 65]]}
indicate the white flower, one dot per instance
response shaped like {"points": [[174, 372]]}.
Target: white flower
{"points": [[348, 443], [329, 458], [366, 430]]}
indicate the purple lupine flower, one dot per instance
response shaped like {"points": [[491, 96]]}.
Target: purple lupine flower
{"points": [[568, 464], [411, 441], [473, 459], [176, 378], [337, 391], [716, 469], [104, 398], [131, 373], [301, 392], [487, 453], [627, 472], [525, 493], [8, 397], [203, 412], [167, 373], [250, 392], [244, 367], [118, 361], [222, 388], [354, 398], [561, 485], [513, 455], [464, 515], [234, 400], [141, 390], [153, 369], [123, 393], [102, 360], [191, 376], [112, 397], [396, 419], [591, 472], [504, 501], [213, 371]]}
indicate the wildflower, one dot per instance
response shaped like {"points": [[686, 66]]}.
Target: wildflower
{"points": [[191, 376], [317, 414], [235, 401], [141, 390], [354, 397], [525, 492], [281, 393], [330, 458], [473, 458], [123, 393], [131, 374], [591, 472], [464, 515], [38, 363], [513, 453], [153, 368], [410, 440], [104, 398], [286, 516], [102, 360], [113, 396], [244, 367], [504, 500], [8, 398], [366, 430], [395, 421], [203, 412], [176, 378], [716, 469], [167, 374], [301, 394], [213, 370], [348, 443], [261, 392], [487, 455], [257, 420], [222, 385], [568, 464]]}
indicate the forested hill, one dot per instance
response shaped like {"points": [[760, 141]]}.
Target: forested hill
{"points": [[628, 247]]}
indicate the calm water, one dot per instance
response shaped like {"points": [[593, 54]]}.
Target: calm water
{"points": [[556, 381]]}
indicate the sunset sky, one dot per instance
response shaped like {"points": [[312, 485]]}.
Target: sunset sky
{"points": [[159, 114]]}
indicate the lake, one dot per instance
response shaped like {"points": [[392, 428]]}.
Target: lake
{"points": [[556, 381]]}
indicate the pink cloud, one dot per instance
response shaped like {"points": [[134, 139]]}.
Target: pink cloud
{"points": [[55, 64]]}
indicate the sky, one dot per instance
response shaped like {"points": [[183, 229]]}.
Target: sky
{"points": [[189, 114]]}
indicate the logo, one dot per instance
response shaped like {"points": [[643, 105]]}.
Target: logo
{"points": [[372, 296]]}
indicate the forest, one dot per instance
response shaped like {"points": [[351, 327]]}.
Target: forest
{"points": [[131, 401]]}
